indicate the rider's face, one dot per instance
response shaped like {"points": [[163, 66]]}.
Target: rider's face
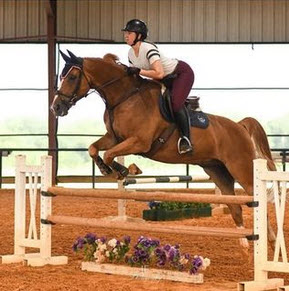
{"points": [[129, 37]]}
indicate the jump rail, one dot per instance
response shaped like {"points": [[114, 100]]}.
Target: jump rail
{"points": [[149, 227], [130, 181], [148, 196]]}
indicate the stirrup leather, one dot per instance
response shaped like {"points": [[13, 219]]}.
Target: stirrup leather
{"points": [[188, 146]]}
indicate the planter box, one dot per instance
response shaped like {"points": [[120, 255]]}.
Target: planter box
{"points": [[146, 273], [162, 214]]}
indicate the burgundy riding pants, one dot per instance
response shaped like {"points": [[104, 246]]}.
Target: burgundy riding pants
{"points": [[182, 85]]}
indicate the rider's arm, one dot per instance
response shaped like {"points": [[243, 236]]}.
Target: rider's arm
{"points": [[156, 71]]}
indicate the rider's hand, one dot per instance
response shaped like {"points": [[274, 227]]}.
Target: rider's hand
{"points": [[133, 71]]}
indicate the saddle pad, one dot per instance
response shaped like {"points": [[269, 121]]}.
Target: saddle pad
{"points": [[199, 119]]}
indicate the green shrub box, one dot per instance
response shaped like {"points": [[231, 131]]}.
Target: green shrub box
{"points": [[164, 214]]}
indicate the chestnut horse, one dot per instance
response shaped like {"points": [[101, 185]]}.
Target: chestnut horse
{"points": [[225, 149]]}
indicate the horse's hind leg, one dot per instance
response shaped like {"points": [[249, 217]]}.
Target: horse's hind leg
{"points": [[224, 180]]}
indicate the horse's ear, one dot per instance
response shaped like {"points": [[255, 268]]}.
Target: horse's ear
{"points": [[65, 57], [74, 58]]}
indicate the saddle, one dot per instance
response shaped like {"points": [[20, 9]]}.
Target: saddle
{"points": [[197, 117]]}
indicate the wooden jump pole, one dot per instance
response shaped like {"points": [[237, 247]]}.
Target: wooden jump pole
{"points": [[150, 227], [150, 196]]}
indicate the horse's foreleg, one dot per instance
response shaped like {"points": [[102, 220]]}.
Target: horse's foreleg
{"points": [[103, 143], [129, 146]]}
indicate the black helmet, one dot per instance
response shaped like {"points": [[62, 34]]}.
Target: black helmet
{"points": [[137, 26]]}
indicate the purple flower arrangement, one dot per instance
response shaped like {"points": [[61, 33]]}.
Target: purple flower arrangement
{"points": [[146, 252]]}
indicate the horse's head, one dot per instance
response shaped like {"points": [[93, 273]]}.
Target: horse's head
{"points": [[74, 85]]}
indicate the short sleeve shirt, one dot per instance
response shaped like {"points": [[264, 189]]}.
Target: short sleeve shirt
{"points": [[148, 54]]}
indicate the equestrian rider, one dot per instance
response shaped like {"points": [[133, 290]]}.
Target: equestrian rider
{"points": [[146, 59]]}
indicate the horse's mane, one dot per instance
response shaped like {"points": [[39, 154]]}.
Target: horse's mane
{"points": [[111, 58]]}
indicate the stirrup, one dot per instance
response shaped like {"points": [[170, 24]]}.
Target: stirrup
{"points": [[188, 145]]}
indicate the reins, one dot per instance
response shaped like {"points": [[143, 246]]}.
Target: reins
{"points": [[126, 96]]}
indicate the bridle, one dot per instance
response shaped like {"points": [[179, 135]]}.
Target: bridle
{"points": [[70, 100]]}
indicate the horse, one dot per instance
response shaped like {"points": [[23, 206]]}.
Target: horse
{"points": [[225, 149]]}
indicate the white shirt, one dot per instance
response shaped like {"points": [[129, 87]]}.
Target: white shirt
{"points": [[148, 54]]}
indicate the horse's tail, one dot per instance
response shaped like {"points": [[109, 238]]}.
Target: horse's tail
{"points": [[259, 139]]}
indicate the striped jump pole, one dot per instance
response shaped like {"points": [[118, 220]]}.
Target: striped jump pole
{"points": [[166, 179]]}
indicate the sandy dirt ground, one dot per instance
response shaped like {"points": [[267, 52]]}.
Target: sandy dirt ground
{"points": [[228, 263]]}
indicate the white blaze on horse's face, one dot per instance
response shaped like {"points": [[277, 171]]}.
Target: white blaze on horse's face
{"points": [[55, 98]]}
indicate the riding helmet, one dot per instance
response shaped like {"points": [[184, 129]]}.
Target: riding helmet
{"points": [[137, 26]]}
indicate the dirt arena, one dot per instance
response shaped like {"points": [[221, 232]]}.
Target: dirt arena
{"points": [[228, 264]]}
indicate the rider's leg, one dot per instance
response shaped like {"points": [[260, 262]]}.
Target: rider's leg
{"points": [[183, 124], [180, 91]]}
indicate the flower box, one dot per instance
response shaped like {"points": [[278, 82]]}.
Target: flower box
{"points": [[164, 214], [146, 273]]}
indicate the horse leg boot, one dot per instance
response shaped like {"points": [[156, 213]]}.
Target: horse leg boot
{"points": [[120, 168], [183, 124], [103, 143]]}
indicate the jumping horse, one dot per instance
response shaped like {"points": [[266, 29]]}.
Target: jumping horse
{"points": [[225, 149]]}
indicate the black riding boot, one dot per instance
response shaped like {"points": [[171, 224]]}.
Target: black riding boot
{"points": [[183, 124]]}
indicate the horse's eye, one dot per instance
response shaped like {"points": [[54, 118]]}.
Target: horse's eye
{"points": [[71, 78]]}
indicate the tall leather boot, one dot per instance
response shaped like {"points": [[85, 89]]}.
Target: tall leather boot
{"points": [[183, 124]]}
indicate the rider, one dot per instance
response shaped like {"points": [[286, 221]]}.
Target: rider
{"points": [[146, 59]]}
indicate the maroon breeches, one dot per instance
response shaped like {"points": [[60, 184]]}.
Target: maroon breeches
{"points": [[182, 85]]}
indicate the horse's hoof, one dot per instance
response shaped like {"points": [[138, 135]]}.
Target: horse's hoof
{"points": [[133, 169]]}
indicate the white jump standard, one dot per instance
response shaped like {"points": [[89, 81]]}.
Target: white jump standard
{"points": [[32, 240]]}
